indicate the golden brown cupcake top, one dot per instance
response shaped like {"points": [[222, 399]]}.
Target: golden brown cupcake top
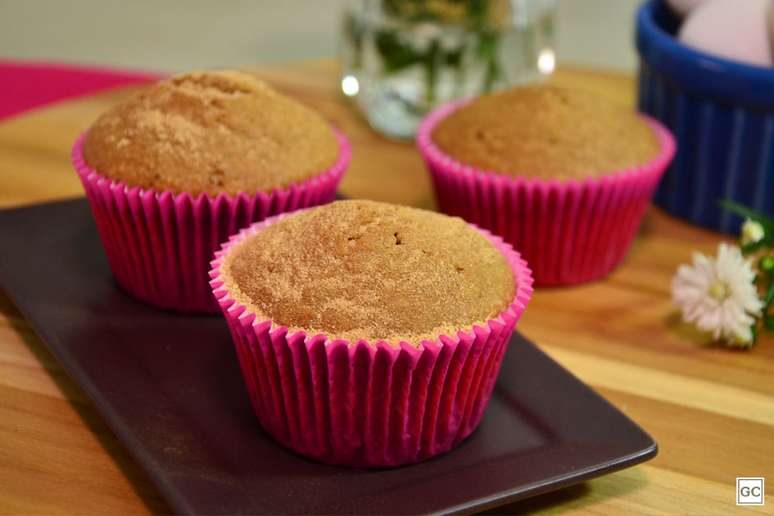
{"points": [[218, 131], [546, 132], [367, 270]]}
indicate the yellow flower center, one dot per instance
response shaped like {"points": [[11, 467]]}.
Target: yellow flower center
{"points": [[719, 291]]}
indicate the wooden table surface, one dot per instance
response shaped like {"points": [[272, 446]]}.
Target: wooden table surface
{"points": [[710, 409]]}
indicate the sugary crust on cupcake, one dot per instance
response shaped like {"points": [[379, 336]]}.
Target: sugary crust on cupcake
{"points": [[215, 131], [372, 271], [546, 132]]}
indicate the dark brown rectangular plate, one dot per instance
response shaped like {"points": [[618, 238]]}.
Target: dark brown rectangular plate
{"points": [[170, 388]]}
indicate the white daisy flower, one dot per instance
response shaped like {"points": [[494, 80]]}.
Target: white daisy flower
{"points": [[752, 232], [718, 295]]}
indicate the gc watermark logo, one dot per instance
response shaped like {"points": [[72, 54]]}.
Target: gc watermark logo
{"points": [[749, 490]]}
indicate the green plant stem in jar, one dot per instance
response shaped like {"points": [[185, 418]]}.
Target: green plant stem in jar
{"points": [[401, 58]]}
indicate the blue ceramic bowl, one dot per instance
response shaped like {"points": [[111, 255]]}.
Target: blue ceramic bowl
{"points": [[722, 115]]}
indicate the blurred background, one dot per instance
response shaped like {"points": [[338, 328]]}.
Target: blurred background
{"points": [[175, 35]]}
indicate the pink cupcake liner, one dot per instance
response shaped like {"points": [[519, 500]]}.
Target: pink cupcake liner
{"points": [[569, 231], [159, 244], [369, 404]]}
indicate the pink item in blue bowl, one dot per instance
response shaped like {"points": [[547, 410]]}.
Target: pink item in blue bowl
{"points": [[722, 114]]}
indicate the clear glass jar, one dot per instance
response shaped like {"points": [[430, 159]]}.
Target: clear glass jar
{"points": [[401, 58]]}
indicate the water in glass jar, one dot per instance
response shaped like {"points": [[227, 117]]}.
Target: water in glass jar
{"points": [[398, 66]]}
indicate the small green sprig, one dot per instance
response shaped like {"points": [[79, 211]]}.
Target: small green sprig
{"points": [[398, 54], [757, 239]]}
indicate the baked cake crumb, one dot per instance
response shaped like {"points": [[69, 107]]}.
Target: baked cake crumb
{"points": [[546, 132], [367, 270], [210, 131]]}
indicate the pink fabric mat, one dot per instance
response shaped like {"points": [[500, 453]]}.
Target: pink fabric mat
{"points": [[26, 85]]}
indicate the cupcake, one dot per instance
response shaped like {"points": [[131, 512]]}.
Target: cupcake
{"points": [[175, 170], [369, 334], [561, 174]]}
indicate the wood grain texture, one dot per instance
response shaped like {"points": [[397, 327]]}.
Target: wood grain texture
{"points": [[710, 409]]}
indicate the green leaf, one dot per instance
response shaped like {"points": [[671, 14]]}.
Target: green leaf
{"points": [[768, 322], [477, 11], [744, 211], [769, 296], [431, 71], [487, 49], [453, 58], [755, 246], [395, 55]]}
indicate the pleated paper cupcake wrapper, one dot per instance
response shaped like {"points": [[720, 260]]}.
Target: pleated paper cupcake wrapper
{"points": [[160, 244], [569, 231], [369, 404]]}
